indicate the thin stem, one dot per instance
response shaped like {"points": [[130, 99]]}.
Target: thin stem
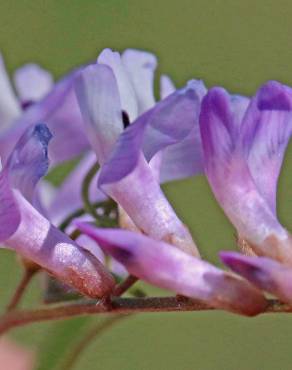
{"points": [[78, 213], [119, 306], [96, 330], [20, 289], [75, 234], [85, 191], [107, 204], [121, 288]]}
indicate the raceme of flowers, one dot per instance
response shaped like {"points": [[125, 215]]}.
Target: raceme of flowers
{"points": [[106, 112]]}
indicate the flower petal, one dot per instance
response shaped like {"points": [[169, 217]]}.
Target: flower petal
{"points": [[231, 181], [141, 66], [9, 106], [167, 267], [142, 198], [60, 110], [29, 160], [37, 240], [216, 128], [27, 164], [239, 106], [32, 83], [9, 211], [167, 87], [169, 122], [263, 272], [66, 123], [99, 100], [159, 218], [265, 133], [184, 159], [125, 87], [173, 118], [44, 195], [175, 162]]}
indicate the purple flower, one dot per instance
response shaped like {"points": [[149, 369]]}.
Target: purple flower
{"points": [[167, 87], [110, 99], [175, 159], [39, 99], [168, 267], [135, 71], [244, 144], [263, 272], [30, 234]]}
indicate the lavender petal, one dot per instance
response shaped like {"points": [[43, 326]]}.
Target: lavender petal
{"points": [[141, 66], [263, 272], [99, 100], [167, 267]]}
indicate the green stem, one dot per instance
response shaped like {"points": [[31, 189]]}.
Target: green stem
{"points": [[125, 285], [108, 205], [89, 208]]}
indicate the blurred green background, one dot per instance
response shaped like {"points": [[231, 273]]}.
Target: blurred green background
{"points": [[238, 44]]}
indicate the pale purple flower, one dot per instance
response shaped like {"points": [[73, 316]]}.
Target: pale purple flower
{"points": [[265, 273], [175, 159], [109, 101], [25, 230], [38, 99], [244, 144], [135, 73], [168, 267], [167, 86]]}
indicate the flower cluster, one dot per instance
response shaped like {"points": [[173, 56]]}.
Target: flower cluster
{"points": [[106, 112]]}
